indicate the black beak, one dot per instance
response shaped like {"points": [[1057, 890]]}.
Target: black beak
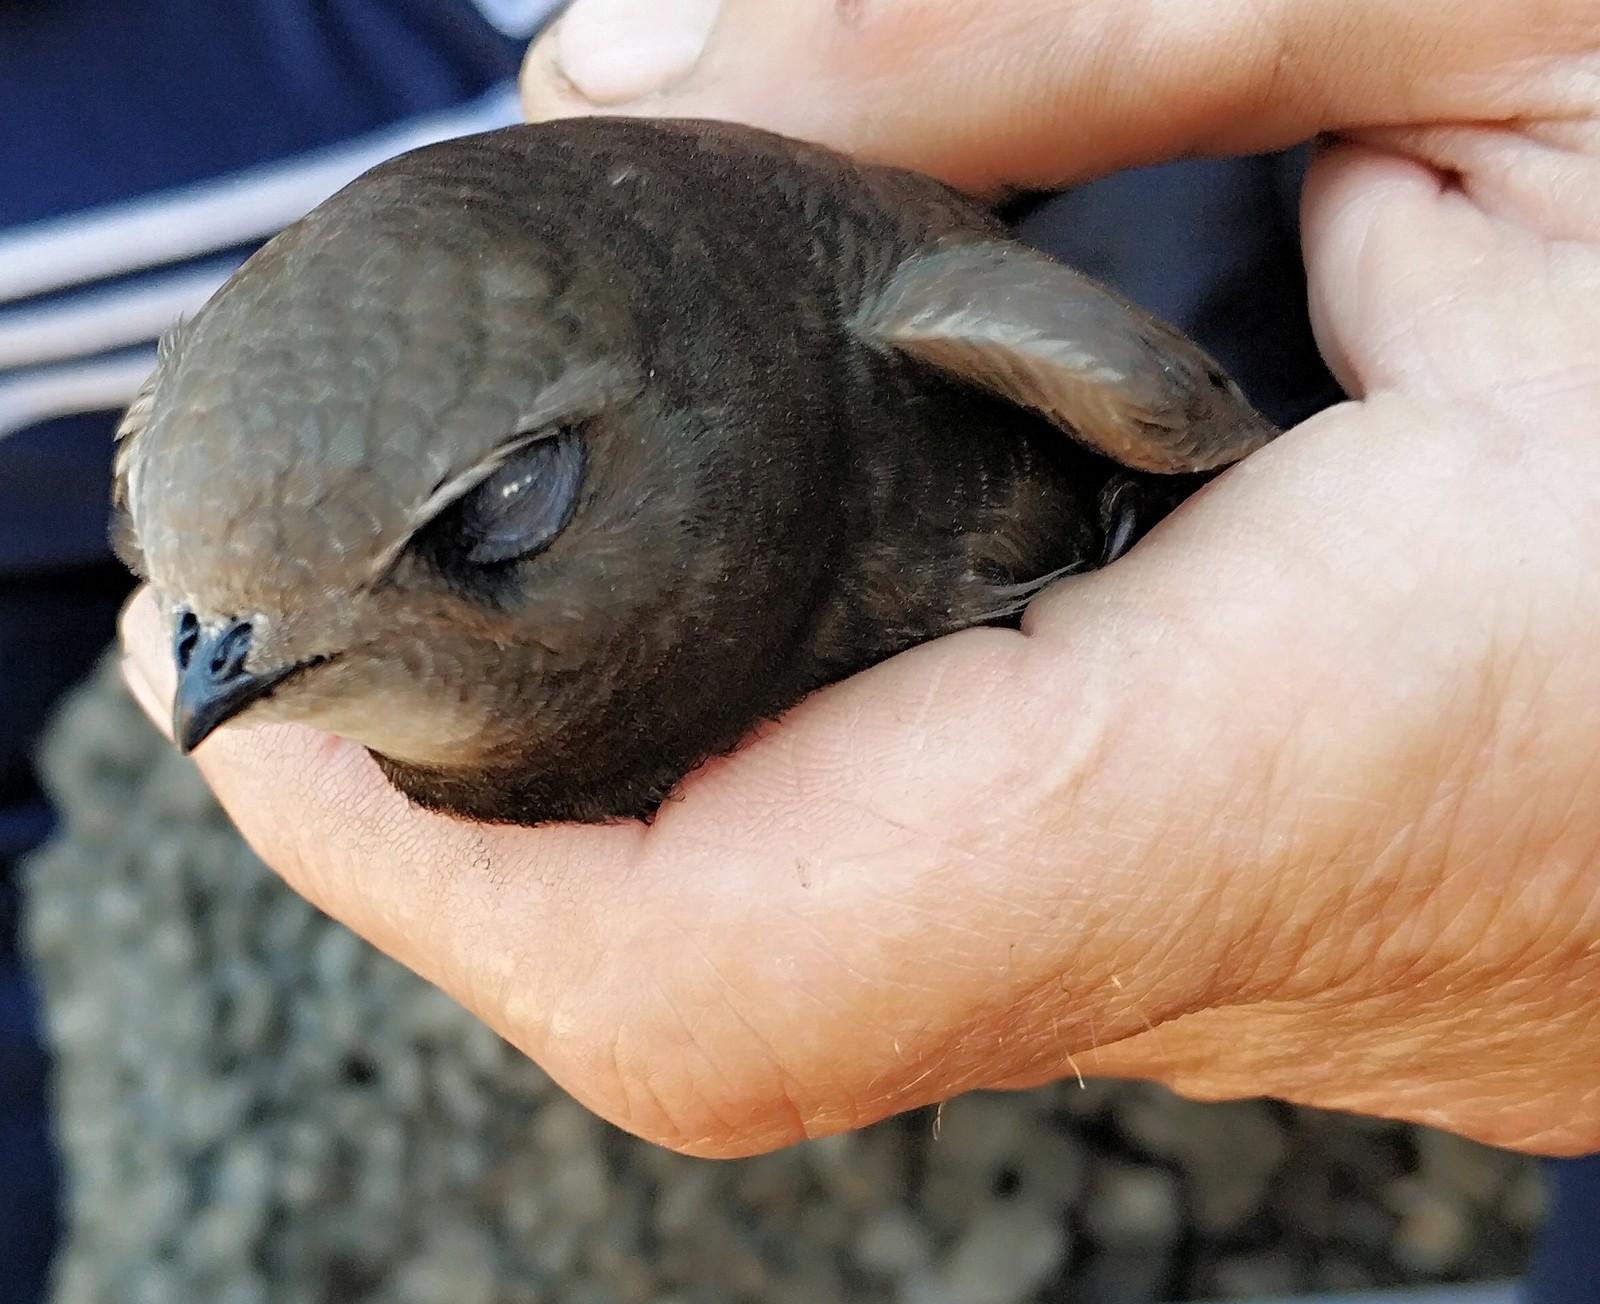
{"points": [[213, 685]]}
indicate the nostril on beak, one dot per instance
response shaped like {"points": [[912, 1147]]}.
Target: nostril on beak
{"points": [[229, 652], [213, 683], [187, 639]]}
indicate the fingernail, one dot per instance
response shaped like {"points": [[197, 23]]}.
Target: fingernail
{"points": [[614, 51]]}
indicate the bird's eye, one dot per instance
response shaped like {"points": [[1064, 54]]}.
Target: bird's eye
{"points": [[520, 509]]}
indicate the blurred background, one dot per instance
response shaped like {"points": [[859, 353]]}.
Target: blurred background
{"points": [[209, 1092]]}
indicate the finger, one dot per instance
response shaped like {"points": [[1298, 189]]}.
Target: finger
{"points": [[1540, 176], [1036, 93], [1415, 285], [794, 948], [708, 983], [318, 810], [150, 675], [978, 858]]}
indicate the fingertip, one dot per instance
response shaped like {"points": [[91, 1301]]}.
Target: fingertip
{"points": [[616, 51], [614, 56], [1353, 192], [145, 697], [546, 91], [798, 70], [146, 666]]}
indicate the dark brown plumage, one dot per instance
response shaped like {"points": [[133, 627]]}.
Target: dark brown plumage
{"points": [[546, 462]]}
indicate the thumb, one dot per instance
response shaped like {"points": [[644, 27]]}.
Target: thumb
{"points": [[1037, 93]]}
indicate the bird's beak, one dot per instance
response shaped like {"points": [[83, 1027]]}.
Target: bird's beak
{"points": [[213, 685]]}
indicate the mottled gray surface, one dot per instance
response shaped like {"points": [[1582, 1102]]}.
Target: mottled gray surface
{"points": [[255, 1106]]}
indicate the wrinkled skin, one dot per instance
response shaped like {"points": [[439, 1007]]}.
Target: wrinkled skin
{"points": [[823, 412], [1314, 814]]}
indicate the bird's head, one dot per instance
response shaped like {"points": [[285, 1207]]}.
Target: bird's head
{"points": [[558, 451], [375, 466]]}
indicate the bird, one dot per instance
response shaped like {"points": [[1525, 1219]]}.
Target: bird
{"points": [[547, 463]]}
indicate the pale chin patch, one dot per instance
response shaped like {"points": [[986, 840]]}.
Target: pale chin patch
{"points": [[417, 732]]}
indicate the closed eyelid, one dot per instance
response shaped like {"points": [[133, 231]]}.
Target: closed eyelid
{"points": [[528, 501]]}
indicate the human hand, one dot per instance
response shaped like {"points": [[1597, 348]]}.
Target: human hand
{"points": [[1299, 798]]}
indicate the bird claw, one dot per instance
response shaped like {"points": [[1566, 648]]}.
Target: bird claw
{"points": [[1120, 501]]}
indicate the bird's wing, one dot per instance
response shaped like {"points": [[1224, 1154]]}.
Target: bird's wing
{"points": [[1015, 322]]}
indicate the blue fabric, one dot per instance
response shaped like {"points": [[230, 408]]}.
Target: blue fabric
{"points": [[1213, 246], [103, 101], [1566, 1266], [55, 483], [28, 1195]]}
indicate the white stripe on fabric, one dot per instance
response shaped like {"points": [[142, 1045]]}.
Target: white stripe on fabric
{"points": [[197, 220], [102, 320], [104, 385]]}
